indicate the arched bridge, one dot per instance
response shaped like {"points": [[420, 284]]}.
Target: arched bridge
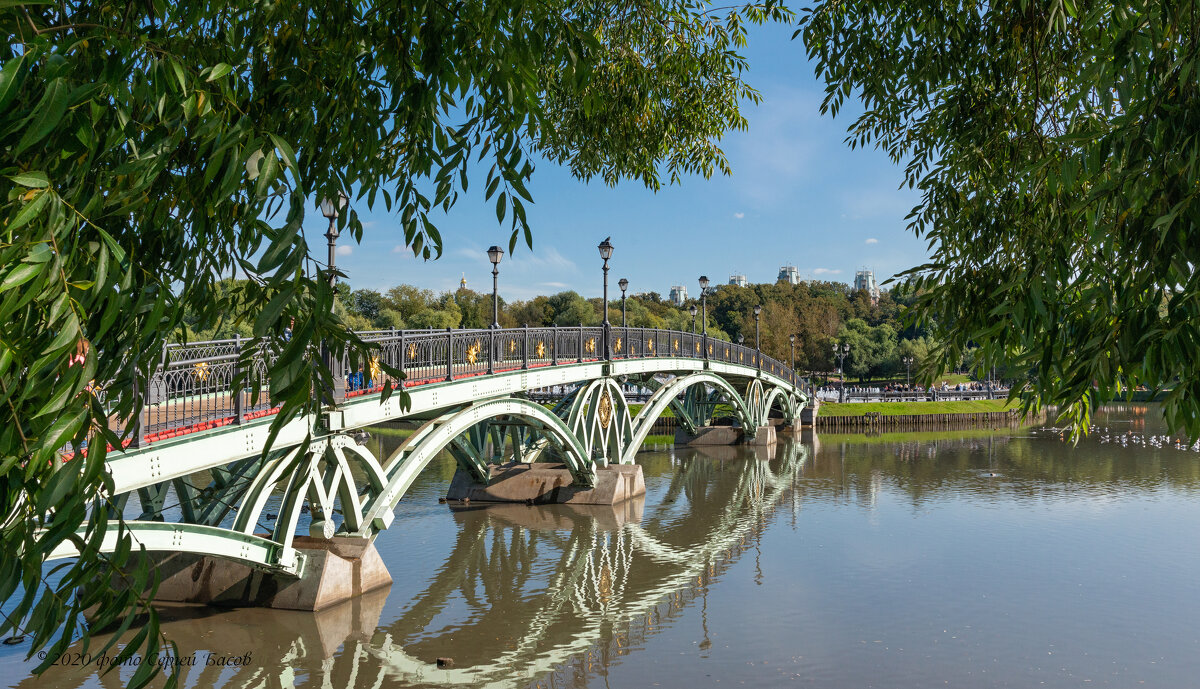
{"points": [[200, 459]]}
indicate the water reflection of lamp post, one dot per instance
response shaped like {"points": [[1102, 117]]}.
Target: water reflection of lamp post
{"points": [[841, 352], [494, 255]]}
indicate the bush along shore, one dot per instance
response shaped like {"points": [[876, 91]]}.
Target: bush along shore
{"points": [[878, 416]]}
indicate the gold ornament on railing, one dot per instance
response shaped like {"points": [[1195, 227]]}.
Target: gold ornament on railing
{"points": [[540, 349], [512, 346], [200, 371], [473, 352], [605, 409], [617, 346], [374, 369], [650, 346], [676, 345], [741, 356], [590, 346], [726, 351], [710, 350], [412, 351]]}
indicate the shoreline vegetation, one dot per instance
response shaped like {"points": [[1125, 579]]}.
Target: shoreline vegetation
{"points": [[915, 408]]}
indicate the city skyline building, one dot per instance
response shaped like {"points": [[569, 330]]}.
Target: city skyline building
{"points": [[678, 295], [865, 280], [738, 279], [789, 274]]}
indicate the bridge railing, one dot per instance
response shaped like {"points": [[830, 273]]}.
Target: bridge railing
{"points": [[191, 389]]}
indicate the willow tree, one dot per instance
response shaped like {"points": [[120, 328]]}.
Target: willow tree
{"points": [[150, 148], [1054, 143]]}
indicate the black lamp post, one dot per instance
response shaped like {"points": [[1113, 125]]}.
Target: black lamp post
{"points": [[692, 311], [757, 335], [841, 352], [704, 312], [606, 249], [624, 285], [792, 339], [330, 209], [495, 253], [908, 361]]}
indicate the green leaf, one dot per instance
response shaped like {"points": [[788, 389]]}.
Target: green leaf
{"points": [[35, 179], [46, 114], [22, 273], [31, 209], [219, 71], [12, 75], [500, 207]]}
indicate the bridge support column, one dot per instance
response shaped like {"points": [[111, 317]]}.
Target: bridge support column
{"points": [[710, 435], [335, 571], [548, 484], [763, 435]]}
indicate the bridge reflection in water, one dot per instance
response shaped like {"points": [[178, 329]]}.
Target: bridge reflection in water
{"points": [[528, 595]]}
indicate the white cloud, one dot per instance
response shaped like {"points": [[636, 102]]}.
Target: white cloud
{"points": [[345, 250], [826, 271], [739, 216], [404, 251], [872, 240]]}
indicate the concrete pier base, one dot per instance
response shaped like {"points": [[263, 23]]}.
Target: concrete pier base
{"points": [[764, 435], [543, 484], [710, 435], [556, 517], [335, 571], [788, 427], [808, 415]]}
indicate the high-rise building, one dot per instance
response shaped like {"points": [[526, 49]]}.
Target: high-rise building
{"points": [[865, 280], [678, 295], [739, 280], [789, 274]]}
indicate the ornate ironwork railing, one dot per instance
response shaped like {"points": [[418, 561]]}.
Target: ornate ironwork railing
{"points": [[192, 388]]}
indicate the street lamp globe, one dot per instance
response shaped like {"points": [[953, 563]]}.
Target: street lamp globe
{"points": [[792, 339], [757, 310], [623, 284], [495, 253], [330, 207], [692, 310], [741, 338], [606, 249], [703, 284]]}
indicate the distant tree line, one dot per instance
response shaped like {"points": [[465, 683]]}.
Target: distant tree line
{"points": [[818, 313]]}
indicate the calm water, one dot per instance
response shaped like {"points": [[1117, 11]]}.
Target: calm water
{"points": [[973, 559]]}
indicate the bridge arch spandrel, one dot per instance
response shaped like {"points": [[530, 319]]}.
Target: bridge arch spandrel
{"points": [[420, 449], [665, 395], [599, 418]]}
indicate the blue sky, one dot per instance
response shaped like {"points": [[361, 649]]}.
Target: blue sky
{"points": [[798, 195]]}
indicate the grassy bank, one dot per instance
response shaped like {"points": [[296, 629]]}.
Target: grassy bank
{"points": [[914, 408]]}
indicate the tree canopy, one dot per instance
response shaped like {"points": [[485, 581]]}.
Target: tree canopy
{"points": [[1054, 145], [150, 149]]}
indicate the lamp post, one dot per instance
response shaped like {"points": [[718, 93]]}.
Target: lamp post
{"points": [[330, 209], [606, 249], [841, 352], [692, 310], [908, 362], [704, 312], [757, 336], [624, 285], [495, 253], [792, 340]]}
